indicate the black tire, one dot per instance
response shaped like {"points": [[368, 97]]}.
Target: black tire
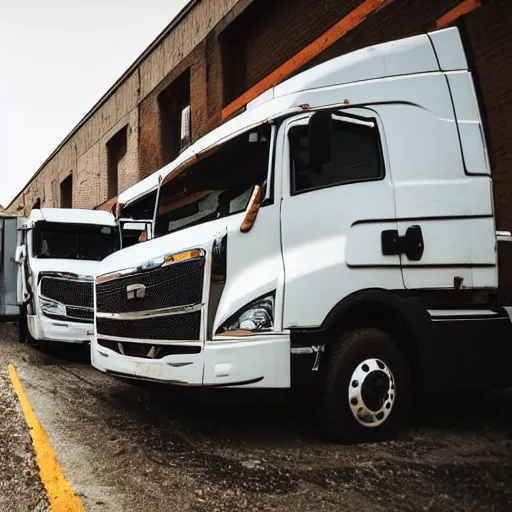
{"points": [[345, 355], [24, 335], [22, 325]]}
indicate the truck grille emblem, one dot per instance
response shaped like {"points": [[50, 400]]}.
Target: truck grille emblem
{"points": [[135, 291]]}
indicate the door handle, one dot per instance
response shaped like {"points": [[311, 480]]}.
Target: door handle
{"points": [[411, 244]]}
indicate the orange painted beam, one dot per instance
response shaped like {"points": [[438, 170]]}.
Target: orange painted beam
{"points": [[463, 8], [345, 25]]}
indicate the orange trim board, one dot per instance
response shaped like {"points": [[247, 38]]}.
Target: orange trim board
{"points": [[337, 31], [463, 8], [61, 495]]}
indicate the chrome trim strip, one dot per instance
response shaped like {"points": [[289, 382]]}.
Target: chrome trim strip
{"points": [[435, 313], [189, 343], [66, 276], [152, 313], [504, 236], [219, 340], [470, 319], [302, 350]]}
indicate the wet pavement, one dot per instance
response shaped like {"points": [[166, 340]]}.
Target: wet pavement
{"points": [[128, 446]]}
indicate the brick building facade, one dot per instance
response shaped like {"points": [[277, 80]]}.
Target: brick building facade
{"points": [[219, 54]]}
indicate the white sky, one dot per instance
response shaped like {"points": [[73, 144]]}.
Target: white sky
{"points": [[58, 57]]}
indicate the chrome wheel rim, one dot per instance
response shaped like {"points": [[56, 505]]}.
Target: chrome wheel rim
{"points": [[371, 392]]}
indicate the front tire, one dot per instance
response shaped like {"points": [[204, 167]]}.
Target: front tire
{"points": [[24, 335], [22, 325], [366, 387]]}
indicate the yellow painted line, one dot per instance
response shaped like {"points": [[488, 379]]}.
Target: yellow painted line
{"points": [[61, 495]]}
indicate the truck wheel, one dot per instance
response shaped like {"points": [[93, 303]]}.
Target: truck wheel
{"points": [[24, 335], [366, 388], [22, 325]]}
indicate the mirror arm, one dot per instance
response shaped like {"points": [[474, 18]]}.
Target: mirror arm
{"points": [[157, 202]]}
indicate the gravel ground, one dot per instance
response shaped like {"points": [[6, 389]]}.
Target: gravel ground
{"points": [[127, 446], [20, 486]]}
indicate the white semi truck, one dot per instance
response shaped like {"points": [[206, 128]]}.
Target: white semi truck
{"points": [[340, 230], [58, 253]]}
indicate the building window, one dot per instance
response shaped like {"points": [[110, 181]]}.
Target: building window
{"points": [[234, 60], [66, 192], [175, 117], [116, 150], [37, 204]]}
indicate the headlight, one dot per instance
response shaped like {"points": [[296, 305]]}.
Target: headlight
{"points": [[257, 317], [52, 308]]}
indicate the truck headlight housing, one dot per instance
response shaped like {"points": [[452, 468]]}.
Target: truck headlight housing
{"points": [[49, 307], [258, 316]]}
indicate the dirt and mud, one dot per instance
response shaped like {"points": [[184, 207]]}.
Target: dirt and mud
{"points": [[127, 446]]}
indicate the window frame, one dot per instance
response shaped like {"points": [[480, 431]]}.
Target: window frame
{"points": [[343, 113]]}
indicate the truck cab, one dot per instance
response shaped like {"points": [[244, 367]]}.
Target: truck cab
{"points": [[340, 231], [58, 254]]}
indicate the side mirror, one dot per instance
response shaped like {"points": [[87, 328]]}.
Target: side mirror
{"points": [[320, 126], [20, 254], [252, 210]]}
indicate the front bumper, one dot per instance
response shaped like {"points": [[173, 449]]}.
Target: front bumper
{"points": [[42, 328], [260, 361]]}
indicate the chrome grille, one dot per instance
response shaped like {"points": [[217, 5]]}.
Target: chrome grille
{"points": [[70, 292], [175, 327], [175, 285], [162, 303]]}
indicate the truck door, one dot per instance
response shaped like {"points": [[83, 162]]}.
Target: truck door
{"points": [[332, 219], [446, 231], [9, 274]]}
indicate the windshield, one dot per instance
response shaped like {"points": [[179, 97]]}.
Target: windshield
{"points": [[216, 186], [74, 241]]}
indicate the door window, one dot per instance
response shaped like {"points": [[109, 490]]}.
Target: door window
{"points": [[356, 155]]}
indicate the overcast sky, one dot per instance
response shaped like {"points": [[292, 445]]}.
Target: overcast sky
{"points": [[58, 57]]}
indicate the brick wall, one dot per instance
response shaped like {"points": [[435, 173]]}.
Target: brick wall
{"points": [[490, 32], [267, 34], [150, 144]]}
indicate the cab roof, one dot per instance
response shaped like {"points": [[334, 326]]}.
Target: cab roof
{"points": [[72, 216]]}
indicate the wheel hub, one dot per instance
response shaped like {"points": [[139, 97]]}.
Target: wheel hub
{"points": [[371, 392]]}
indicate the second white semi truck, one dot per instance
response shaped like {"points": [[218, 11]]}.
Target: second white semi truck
{"points": [[58, 254]]}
